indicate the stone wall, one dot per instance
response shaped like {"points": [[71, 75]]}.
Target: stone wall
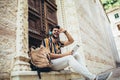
{"points": [[8, 9], [114, 26], [95, 37], [85, 20], [88, 24]]}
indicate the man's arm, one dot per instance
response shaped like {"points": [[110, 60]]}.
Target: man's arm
{"points": [[69, 37], [55, 56]]}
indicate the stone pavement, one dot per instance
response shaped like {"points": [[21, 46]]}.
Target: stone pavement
{"points": [[116, 74]]}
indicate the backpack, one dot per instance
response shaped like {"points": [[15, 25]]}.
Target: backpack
{"points": [[40, 60]]}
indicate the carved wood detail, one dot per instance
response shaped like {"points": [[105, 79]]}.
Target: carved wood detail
{"points": [[42, 15]]}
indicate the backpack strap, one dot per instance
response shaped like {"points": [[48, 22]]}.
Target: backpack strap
{"points": [[35, 68], [43, 43], [38, 72], [51, 45]]}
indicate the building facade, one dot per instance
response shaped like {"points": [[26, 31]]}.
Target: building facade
{"points": [[26, 22], [114, 17]]}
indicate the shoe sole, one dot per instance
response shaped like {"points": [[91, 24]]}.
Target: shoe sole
{"points": [[109, 75]]}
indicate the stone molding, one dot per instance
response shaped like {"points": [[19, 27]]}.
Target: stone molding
{"points": [[21, 58], [53, 75], [63, 12]]}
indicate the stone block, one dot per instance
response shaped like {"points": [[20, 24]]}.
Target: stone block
{"points": [[53, 75]]}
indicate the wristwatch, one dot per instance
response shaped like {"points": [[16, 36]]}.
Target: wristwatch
{"points": [[65, 31]]}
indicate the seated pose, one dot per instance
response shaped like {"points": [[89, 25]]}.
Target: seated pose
{"points": [[62, 60]]}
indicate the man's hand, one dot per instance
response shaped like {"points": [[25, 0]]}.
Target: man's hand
{"points": [[62, 30], [55, 56], [69, 37], [69, 53]]}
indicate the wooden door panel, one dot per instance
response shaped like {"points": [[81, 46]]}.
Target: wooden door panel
{"points": [[35, 5], [42, 15], [34, 26], [51, 9], [51, 14]]}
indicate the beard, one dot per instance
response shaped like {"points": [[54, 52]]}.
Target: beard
{"points": [[55, 37]]}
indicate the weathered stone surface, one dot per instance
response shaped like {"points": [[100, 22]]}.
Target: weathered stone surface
{"points": [[53, 75], [8, 10], [88, 25], [95, 37], [85, 20], [114, 26]]}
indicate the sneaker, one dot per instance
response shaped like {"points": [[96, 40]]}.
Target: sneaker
{"points": [[104, 76], [75, 79]]}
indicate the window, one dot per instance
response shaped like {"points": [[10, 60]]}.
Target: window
{"points": [[116, 15], [118, 27]]}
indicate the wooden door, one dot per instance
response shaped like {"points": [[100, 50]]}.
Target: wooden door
{"points": [[42, 15]]}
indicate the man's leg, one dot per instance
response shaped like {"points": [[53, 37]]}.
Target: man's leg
{"points": [[103, 76], [61, 63], [78, 57]]}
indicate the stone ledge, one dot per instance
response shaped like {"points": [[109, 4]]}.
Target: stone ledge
{"points": [[53, 75]]}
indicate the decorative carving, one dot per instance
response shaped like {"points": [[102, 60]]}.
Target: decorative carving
{"points": [[36, 21], [63, 13], [21, 58], [41, 14]]}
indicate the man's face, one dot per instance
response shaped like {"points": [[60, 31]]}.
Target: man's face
{"points": [[55, 32]]}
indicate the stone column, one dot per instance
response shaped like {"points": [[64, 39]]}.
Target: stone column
{"points": [[21, 58], [21, 68]]}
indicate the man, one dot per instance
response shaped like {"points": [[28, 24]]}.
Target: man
{"points": [[62, 60]]}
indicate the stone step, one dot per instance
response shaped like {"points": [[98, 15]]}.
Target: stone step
{"points": [[115, 75], [53, 75], [57, 75]]}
